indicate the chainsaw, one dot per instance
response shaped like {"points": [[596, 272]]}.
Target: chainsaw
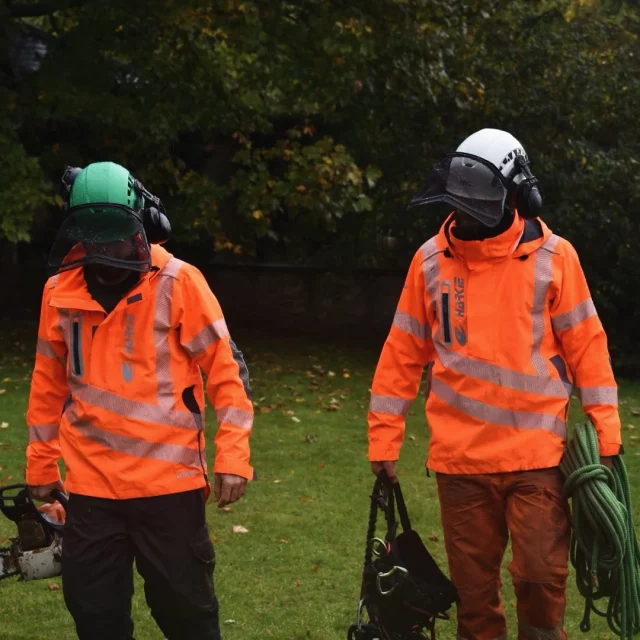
{"points": [[37, 550]]}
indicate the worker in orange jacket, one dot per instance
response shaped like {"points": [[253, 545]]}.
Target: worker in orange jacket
{"points": [[117, 393], [496, 308]]}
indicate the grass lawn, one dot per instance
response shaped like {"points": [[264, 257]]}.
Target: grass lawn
{"points": [[296, 573]]}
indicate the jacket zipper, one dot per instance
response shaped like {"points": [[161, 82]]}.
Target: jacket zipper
{"points": [[76, 346], [445, 294]]}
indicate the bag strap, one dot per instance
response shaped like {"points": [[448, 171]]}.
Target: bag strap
{"points": [[393, 494], [402, 508]]}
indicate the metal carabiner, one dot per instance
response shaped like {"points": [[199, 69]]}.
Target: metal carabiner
{"points": [[389, 574], [376, 543]]}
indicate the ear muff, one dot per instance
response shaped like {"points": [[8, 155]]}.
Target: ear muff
{"points": [[156, 224], [527, 198]]}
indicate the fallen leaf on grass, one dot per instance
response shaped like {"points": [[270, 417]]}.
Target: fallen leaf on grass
{"points": [[346, 375], [295, 419], [277, 481], [298, 583], [238, 528], [229, 621], [635, 412], [284, 541], [300, 399], [630, 426], [310, 439], [433, 538], [227, 509], [3, 391], [4, 425], [315, 567], [305, 499], [53, 586], [331, 374], [322, 465], [412, 437], [213, 538]]}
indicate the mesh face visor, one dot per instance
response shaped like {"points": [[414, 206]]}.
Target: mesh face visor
{"points": [[468, 183], [108, 234]]}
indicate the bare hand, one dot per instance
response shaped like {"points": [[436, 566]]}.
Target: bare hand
{"points": [[227, 488], [389, 466], [607, 461], [42, 492]]}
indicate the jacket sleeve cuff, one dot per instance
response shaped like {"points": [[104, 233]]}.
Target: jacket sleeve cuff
{"points": [[42, 476], [379, 454], [235, 468], [610, 448]]}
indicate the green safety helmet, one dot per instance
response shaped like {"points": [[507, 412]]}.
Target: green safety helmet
{"points": [[111, 220]]}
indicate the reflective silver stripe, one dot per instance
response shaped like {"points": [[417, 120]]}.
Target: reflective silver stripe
{"points": [[161, 330], [44, 348], [496, 415], [132, 409], [211, 333], [43, 432], [543, 278], [599, 395], [541, 385], [431, 272], [409, 324], [237, 417], [431, 268], [578, 314], [389, 404], [134, 447], [535, 633]]}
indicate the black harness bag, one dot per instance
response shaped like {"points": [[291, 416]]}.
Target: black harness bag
{"points": [[403, 590]]}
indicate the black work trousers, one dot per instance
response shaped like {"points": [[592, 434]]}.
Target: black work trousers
{"points": [[168, 538]]}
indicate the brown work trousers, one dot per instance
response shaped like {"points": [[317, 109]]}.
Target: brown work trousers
{"points": [[478, 514]]}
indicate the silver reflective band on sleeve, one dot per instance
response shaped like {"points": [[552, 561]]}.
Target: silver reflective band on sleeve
{"points": [[497, 415], [43, 432], [543, 277], [578, 314], [599, 395], [237, 417], [407, 323], [44, 348], [389, 404], [211, 333]]}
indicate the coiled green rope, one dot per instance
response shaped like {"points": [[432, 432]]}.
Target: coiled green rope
{"points": [[604, 548]]}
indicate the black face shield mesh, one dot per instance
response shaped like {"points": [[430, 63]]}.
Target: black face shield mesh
{"points": [[468, 183], [107, 234]]}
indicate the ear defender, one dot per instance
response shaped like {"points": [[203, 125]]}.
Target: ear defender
{"points": [[527, 197]]}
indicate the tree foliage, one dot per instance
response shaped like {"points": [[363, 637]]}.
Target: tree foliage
{"points": [[298, 131]]}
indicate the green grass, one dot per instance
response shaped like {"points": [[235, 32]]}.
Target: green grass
{"points": [[296, 574]]}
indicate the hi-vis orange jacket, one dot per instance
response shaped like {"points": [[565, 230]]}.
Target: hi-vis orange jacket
{"points": [[505, 327], [120, 396]]}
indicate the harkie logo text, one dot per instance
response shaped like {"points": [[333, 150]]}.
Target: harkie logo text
{"points": [[458, 297]]}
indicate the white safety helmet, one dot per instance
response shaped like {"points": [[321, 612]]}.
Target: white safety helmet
{"points": [[488, 173]]}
